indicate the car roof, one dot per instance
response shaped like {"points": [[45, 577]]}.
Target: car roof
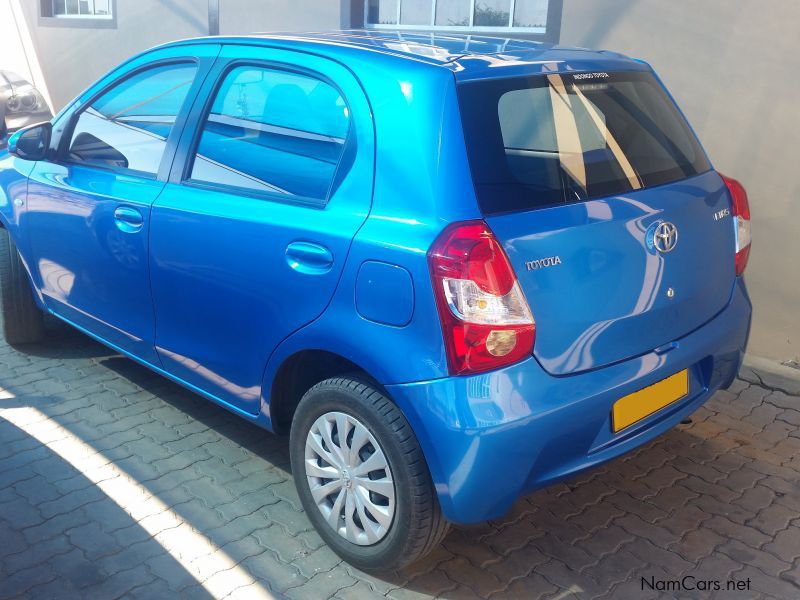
{"points": [[469, 56]]}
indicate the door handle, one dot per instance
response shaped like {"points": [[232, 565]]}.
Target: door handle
{"points": [[128, 219], [309, 257]]}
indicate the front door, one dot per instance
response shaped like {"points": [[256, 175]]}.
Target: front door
{"points": [[250, 236], [88, 213]]}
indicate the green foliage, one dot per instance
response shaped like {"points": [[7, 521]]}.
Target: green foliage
{"points": [[490, 17]]}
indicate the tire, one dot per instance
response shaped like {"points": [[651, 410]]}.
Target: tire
{"points": [[23, 322], [416, 526]]}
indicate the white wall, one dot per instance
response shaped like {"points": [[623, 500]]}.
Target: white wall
{"points": [[74, 57], [249, 16], [12, 55], [734, 68], [17, 49]]}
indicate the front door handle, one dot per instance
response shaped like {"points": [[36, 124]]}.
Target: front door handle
{"points": [[128, 219], [309, 257]]}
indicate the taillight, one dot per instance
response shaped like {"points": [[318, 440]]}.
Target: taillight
{"points": [[485, 318], [740, 210]]}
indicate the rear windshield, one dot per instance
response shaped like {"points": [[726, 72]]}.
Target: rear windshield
{"points": [[554, 139]]}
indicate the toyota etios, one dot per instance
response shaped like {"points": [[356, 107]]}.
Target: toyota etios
{"points": [[456, 269]]}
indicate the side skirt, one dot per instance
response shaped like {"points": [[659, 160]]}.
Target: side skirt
{"points": [[253, 418]]}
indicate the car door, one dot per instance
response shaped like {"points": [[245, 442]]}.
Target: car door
{"points": [[88, 211], [249, 237]]}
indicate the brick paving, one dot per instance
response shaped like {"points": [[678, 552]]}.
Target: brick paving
{"points": [[715, 500]]}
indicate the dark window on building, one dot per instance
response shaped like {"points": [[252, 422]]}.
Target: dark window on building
{"points": [[77, 9], [78, 13], [514, 16]]}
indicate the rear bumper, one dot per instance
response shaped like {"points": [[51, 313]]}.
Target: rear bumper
{"points": [[492, 437]]}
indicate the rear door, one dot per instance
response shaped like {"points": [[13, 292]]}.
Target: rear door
{"points": [[607, 207], [249, 237]]}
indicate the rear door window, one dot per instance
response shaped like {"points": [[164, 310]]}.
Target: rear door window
{"points": [[273, 131], [553, 139]]}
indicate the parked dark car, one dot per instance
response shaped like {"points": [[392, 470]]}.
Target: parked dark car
{"points": [[21, 104]]}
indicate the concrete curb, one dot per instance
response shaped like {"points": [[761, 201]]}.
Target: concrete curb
{"points": [[771, 374], [771, 366]]}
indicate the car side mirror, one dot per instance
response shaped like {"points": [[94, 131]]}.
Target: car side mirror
{"points": [[31, 143]]}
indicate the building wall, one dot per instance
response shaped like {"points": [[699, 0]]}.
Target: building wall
{"points": [[733, 67], [13, 50], [247, 16], [17, 48], [72, 57]]}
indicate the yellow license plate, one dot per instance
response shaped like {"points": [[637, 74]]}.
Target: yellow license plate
{"points": [[638, 405]]}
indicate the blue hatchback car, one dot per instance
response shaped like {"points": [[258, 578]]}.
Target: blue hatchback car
{"points": [[456, 269]]}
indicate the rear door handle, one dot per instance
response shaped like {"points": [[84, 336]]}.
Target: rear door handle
{"points": [[309, 257], [128, 219]]}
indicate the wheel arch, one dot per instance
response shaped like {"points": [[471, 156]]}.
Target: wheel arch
{"points": [[299, 372]]}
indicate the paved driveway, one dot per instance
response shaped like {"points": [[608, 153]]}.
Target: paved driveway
{"points": [[115, 482]]}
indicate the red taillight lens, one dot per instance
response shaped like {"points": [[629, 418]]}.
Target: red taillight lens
{"points": [[485, 318], [740, 210]]}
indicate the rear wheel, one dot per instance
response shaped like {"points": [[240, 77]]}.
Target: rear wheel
{"points": [[362, 478], [23, 322]]}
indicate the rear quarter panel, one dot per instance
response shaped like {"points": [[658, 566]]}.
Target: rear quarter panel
{"points": [[422, 183]]}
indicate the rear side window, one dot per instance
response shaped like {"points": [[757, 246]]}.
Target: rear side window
{"points": [[553, 139], [127, 127], [273, 131]]}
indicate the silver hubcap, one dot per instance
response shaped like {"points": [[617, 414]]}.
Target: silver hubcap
{"points": [[349, 478]]}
